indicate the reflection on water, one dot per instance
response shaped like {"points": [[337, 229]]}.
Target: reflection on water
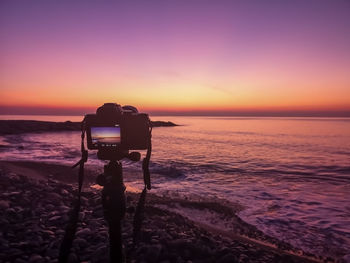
{"points": [[291, 174]]}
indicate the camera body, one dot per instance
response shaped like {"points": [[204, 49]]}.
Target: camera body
{"points": [[115, 129]]}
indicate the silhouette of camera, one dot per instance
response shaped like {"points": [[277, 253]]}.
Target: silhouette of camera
{"points": [[114, 130]]}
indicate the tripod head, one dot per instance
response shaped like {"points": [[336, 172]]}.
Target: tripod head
{"points": [[111, 154]]}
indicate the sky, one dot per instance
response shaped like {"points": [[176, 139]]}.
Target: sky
{"points": [[176, 57]]}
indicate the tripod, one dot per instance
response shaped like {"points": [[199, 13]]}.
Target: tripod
{"points": [[113, 192], [113, 202], [114, 205]]}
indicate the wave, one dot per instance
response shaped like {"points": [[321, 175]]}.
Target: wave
{"points": [[167, 170], [291, 172], [17, 145]]}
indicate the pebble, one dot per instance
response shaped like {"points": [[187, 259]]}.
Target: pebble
{"points": [[100, 252], [36, 259], [153, 252], [64, 208], [84, 232], [20, 260], [72, 258], [54, 218], [4, 204], [48, 232], [64, 192], [81, 242], [53, 196], [49, 207], [228, 258], [35, 222]]}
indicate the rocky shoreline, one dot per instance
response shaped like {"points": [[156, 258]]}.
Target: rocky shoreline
{"points": [[24, 126], [34, 214]]}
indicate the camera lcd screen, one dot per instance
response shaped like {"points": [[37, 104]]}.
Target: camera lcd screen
{"points": [[105, 136]]}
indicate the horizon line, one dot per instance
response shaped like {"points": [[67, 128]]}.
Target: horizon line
{"points": [[267, 112], [345, 114]]}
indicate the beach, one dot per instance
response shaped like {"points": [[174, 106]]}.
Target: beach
{"points": [[202, 208], [36, 199]]}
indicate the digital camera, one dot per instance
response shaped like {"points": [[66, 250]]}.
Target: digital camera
{"points": [[117, 129]]}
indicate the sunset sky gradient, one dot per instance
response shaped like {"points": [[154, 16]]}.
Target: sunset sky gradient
{"points": [[248, 57]]}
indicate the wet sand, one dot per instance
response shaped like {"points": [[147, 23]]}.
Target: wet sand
{"points": [[36, 199]]}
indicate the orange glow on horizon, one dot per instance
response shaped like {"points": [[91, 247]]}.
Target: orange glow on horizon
{"points": [[90, 108], [202, 61], [182, 98]]}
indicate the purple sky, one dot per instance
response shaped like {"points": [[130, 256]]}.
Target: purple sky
{"points": [[171, 56]]}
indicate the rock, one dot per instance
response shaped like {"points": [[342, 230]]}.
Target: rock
{"points": [[179, 244], [347, 258], [53, 196], [39, 240], [84, 200], [99, 252], [36, 258], [11, 212], [4, 204], [49, 207], [19, 209], [130, 210], [20, 260], [12, 193], [60, 232], [14, 252], [81, 242], [72, 258], [228, 258], [243, 258], [153, 253], [163, 124], [64, 192], [84, 232], [47, 259], [154, 240], [63, 208], [52, 253], [165, 237], [54, 218], [48, 232], [4, 221], [14, 176]]}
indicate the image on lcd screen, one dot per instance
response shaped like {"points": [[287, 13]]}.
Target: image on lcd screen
{"points": [[105, 136]]}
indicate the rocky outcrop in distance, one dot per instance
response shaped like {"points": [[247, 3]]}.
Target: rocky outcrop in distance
{"points": [[24, 126]]}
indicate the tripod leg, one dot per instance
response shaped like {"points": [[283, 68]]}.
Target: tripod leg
{"points": [[115, 243], [113, 200]]}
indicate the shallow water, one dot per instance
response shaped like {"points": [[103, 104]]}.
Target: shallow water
{"points": [[291, 174]]}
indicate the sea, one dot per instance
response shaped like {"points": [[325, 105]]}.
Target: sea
{"points": [[290, 175]]}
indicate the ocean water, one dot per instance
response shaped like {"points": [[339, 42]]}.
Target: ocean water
{"points": [[292, 175]]}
